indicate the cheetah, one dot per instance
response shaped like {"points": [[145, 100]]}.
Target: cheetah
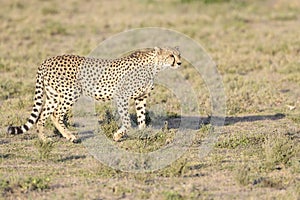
{"points": [[65, 78]]}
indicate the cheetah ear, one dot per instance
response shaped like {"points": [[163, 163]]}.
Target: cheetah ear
{"points": [[176, 48], [157, 50]]}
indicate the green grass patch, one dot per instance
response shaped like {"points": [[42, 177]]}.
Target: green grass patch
{"points": [[295, 118], [50, 10], [283, 16], [279, 150], [239, 141], [34, 183], [55, 28], [44, 148], [172, 195], [244, 175], [24, 185], [9, 89]]}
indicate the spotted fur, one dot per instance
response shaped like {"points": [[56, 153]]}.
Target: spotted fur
{"points": [[64, 78]]}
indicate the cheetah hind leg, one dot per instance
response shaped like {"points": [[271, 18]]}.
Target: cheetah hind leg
{"points": [[48, 108], [58, 121]]}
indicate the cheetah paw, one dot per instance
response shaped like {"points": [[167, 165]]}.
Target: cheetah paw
{"points": [[119, 136], [74, 139]]}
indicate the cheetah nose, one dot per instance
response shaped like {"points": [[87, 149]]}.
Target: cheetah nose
{"points": [[179, 63]]}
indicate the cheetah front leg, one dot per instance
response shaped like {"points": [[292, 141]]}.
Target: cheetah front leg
{"points": [[122, 104]]}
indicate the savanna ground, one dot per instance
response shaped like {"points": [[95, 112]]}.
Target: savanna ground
{"points": [[256, 45]]}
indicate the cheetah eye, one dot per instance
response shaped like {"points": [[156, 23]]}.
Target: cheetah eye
{"points": [[172, 56]]}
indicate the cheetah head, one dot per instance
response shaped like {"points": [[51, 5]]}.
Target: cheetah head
{"points": [[168, 57]]}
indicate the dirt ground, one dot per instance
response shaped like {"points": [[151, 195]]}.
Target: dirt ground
{"points": [[256, 46]]}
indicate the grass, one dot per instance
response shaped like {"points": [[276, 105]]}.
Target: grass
{"points": [[239, 141], [25, 185], [44, 149], [243, 175], [171, 195], [279, 150], [55, 28], [256, 47]]}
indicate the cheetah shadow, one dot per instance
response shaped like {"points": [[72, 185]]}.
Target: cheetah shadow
{"points": [[192, 122]]}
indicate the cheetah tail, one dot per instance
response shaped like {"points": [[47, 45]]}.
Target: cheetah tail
{"points": [[36, 110]]}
